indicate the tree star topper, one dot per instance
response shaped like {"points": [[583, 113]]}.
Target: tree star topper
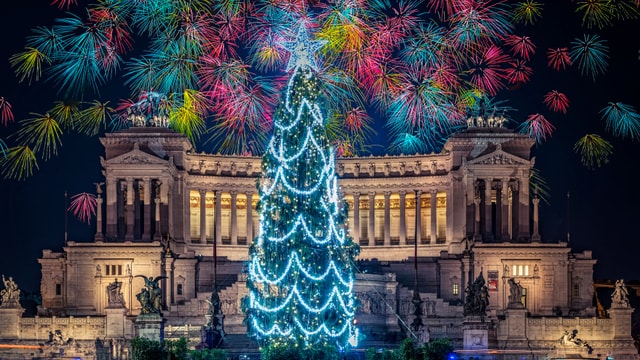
{"points": [[303, 50]]}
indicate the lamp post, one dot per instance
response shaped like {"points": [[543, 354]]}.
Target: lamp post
{"points": [[212, 332], [416, 324]]}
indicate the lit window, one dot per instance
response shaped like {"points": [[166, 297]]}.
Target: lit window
{"points": [[520, 270], [456, 289]]}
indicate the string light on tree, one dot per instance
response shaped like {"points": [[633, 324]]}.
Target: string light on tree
{"points": [[301, 271]]}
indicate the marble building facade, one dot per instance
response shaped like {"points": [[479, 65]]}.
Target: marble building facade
{"points": [[470, 210]]}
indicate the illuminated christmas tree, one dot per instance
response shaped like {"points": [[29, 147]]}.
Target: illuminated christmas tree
{"points": [[301, 271]]}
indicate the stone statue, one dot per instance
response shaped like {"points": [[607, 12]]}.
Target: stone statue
{"points": [[477, 298], [515, 293], [620, 296], [571, 339], [150, 296], [58, 338], [11, 293], [114, 294]]}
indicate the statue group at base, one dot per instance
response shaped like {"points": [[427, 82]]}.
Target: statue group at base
{"points": [[476, 298], [150, 296], [10, 295]]}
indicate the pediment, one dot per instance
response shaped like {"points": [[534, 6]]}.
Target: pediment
{"points": [[498, 157], [136, 156]]}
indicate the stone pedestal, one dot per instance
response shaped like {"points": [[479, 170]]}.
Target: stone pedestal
{"points": [[116, 324], [475, 333], [10, 322], [516, 323], [621, 317], [150, 326]]}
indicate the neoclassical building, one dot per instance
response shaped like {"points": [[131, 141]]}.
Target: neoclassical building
{"points": [[466, 212]]}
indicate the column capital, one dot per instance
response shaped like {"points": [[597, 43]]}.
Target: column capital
{"points": [[387, 194], [402, 193], [433, 191]]}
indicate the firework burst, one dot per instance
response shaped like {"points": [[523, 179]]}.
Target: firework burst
{"points": [[594, 151], [83, 206], [622, 120], [556, 101], [219, 66]]}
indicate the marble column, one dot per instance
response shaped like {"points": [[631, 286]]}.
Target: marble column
{"points": [[157, 234], [499, 203], [146, 231], [418, 212], [249, 217], [387, 218], [372, 218], [99, 235], [186, 216], [111, 207], [168, 200], [403, 219], [488, 235], [129, 210], [434, 216], [476, 219], [536, 234], [203, 216], [234, 218], [505, 210], [523, 194], [355, 230], [218, 216]]}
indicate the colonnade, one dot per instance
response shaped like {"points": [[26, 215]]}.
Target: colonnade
{"points": [[397, 226], [405, 217], [204, 216], [133, 209]]}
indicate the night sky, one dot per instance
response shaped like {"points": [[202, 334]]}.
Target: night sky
{"points": [[601, 213]]}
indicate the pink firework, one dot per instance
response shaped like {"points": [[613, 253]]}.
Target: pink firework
{"points": [[558, 58], [83, 206], [537, 127], [488, 70], [521, 46], [518, 72], [556, 101], [6, 114], [64, 4], [356, 119]]}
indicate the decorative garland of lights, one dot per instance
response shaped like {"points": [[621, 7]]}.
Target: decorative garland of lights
{"points": [[301, 274]]}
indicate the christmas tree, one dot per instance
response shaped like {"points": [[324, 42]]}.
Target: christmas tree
{"points": [[301, 271]]}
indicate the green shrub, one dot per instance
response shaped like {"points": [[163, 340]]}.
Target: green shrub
{"points": [[145, 349], [288, 352], [208, 354]]}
